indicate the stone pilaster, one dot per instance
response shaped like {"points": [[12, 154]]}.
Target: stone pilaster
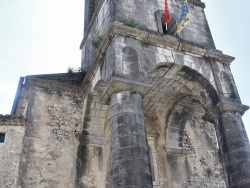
{"points": [[130, 165], [234, 149]]}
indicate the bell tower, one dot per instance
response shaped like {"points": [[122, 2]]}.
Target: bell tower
{"points": [[173, 110], [150, 109]]}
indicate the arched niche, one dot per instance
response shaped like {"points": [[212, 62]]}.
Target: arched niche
{"points": [[130, 64], [227, 85]]}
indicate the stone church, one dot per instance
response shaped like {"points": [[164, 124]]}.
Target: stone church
{"points": [[149, 109]]}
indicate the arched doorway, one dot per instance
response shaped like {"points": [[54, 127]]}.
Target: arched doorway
{"points": [[186, 145]]}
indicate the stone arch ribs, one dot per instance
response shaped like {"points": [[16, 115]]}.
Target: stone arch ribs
{"points": [[172, 81], [95, 115]]}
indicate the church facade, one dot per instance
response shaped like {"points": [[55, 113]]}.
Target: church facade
{"points": [[149, 108]]}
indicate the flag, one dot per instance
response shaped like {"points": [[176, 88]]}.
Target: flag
{"points": [[185, 17], [167, 14]]}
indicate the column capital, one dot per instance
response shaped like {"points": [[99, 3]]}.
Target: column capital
{"points": [[118, 85], [223, 107]]}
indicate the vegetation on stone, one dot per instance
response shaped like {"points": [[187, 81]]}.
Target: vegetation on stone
{"points": [[97, 41], [73, 69], [130, 23]]}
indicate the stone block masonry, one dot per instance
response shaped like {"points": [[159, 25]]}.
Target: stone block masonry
{"points": [[13, 128], [90, 129], [130, 164]]}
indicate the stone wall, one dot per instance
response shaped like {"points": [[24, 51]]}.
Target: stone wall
{"points": [[148, 58], [97, 27], [201, 166], [144, 12], [10, 151], [225, 80], [74, 138], [184, 148], [50, 146]]}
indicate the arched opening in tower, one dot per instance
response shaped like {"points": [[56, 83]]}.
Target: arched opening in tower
{"points": [[171, 28]]}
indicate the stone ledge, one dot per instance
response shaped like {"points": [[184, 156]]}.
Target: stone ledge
{"points": [[11, 120], [177, 150], [165, 41], [51, 84]]}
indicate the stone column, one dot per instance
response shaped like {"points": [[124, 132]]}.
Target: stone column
{"points": [[129, 164], [234, 149]]}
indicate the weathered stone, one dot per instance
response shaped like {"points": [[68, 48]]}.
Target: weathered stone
{"points": [[89, 129], [130, 165]]}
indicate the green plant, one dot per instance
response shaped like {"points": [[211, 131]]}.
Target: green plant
{"points": [[96, 41], [130, 23], [73, 69], [145, 41]]}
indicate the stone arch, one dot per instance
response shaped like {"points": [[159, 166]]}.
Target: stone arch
{"points": [[170, 80], [191, 147], [184, 110], [96, 110], [92, 140], [130, 63], [188, 96], [177, 119]]}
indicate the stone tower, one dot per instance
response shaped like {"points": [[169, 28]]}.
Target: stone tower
{"points": [[149, 109]]}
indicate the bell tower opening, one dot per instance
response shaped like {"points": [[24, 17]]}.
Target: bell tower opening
{"points": [[171, 28]]}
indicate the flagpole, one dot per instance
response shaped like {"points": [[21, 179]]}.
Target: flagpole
{"points": [[167, 14]]}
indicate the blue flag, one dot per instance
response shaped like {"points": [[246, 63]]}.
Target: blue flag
{"points": [[185, 17]]}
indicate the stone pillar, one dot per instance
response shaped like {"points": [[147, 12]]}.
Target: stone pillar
{"points": [[234, 149], [129, 164]]}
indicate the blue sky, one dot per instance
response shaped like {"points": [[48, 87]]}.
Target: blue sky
{"points": [[43, 36]]}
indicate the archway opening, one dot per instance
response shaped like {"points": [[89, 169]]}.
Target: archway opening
{"points": [[185, 96]]}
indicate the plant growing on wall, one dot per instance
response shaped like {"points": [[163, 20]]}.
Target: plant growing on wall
{"points": [[73, 69], [145, 41], [130, 23], [96, 41]]}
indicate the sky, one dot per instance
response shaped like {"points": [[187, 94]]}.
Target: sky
{"points": [[43, 36]]}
